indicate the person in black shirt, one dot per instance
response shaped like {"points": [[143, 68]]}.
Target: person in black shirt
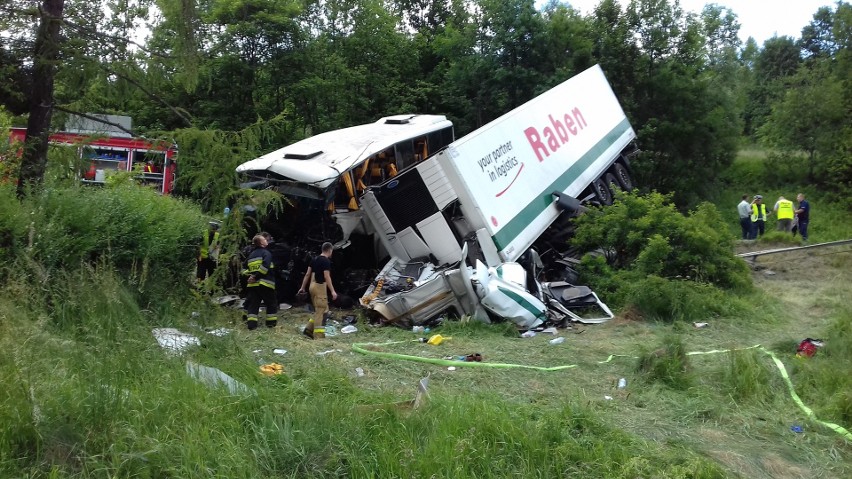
{"points": [[319, 277]]}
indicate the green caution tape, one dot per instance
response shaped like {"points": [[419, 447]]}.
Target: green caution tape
{"points": [[808, 411], [362, 348]]}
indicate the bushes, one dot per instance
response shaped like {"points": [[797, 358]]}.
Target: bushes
{"points": [[129, 224], [666, 264], [148, 239]]}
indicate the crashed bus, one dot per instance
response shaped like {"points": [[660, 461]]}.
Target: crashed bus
{"points": [[323, 177]]}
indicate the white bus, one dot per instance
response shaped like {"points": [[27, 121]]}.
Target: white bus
{"points": [[323, 177]]}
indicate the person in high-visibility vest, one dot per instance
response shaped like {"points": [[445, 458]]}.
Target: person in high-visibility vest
{"points": [[758, 216], [260, 288], [208, 256], [784, 212]]}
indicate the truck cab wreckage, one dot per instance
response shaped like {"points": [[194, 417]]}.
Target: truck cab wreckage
{"points": [[463, 228]]}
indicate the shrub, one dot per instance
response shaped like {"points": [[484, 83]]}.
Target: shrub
{"points": [[669, 364], [675, 300], [143, 235], [666, 263], [747, 377], [13, 224]]}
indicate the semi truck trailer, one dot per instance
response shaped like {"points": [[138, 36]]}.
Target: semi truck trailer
{"points": [[481, 228]]}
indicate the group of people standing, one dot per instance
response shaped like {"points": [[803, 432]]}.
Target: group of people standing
{"points": [[791, 218], [259, 270]]}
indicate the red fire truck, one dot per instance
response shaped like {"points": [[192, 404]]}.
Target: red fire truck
{"points": [[102, 154]]}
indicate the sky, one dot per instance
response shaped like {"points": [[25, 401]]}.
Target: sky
{"points": [[761, 19]]}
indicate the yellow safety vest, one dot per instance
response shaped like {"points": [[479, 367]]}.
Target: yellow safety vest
{"points": [[207, 245], [785, 210], [758, 215]]}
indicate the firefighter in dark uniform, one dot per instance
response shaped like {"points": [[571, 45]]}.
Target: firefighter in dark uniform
{"points": [[260, 287]]}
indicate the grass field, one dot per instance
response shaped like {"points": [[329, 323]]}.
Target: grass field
{"points": [[88, 393], [123, 407]]}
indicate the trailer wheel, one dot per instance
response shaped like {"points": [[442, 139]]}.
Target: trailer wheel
{"points": [[602, 193], [623, 176], [613, 183]]}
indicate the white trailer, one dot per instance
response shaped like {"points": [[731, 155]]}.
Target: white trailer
{"points": [[496, 192]]}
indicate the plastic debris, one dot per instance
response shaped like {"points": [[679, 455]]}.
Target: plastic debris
{"points": [[330, 330], [174, 340], [558, 340], [451, 368], [359, 372], [436, 340], [220, 332], [550, 330], [701, 325], [272, 369], [808, 347], [348, 329], [280, 351], [329, 352], [213, 377], [796, 429], [622, 383], [608, 398], [417, 329], [528, 334]]}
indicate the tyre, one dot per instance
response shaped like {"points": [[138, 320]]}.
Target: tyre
{"points": [[612, 183], [623, 176], [601, 191]]}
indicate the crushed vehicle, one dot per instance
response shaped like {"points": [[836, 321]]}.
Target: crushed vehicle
{"points": [[322, 177], [464, 227]]}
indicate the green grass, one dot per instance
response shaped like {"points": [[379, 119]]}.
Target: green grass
{"points": [[88, 393], [85, 404]]}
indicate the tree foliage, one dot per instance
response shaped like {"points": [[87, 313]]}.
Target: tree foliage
{"points": [[687, 84]]}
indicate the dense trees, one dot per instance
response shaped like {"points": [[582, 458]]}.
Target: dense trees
{"points": [[293, 68]]}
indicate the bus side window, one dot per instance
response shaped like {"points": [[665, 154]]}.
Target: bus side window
{"points": [[404, 154]]}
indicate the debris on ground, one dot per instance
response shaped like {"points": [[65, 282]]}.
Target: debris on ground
{"points": [[280, 351], [528, 334], [701, 325], [329, 352], [213, 377], [348, 329], [808, 347], [272, 369], [220, 332], [174, 340]]}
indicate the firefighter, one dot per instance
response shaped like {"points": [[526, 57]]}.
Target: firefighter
{"points": [[260, 287], [208, 256]]}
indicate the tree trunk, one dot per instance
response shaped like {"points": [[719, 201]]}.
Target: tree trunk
{"points": [[45, 57]]}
